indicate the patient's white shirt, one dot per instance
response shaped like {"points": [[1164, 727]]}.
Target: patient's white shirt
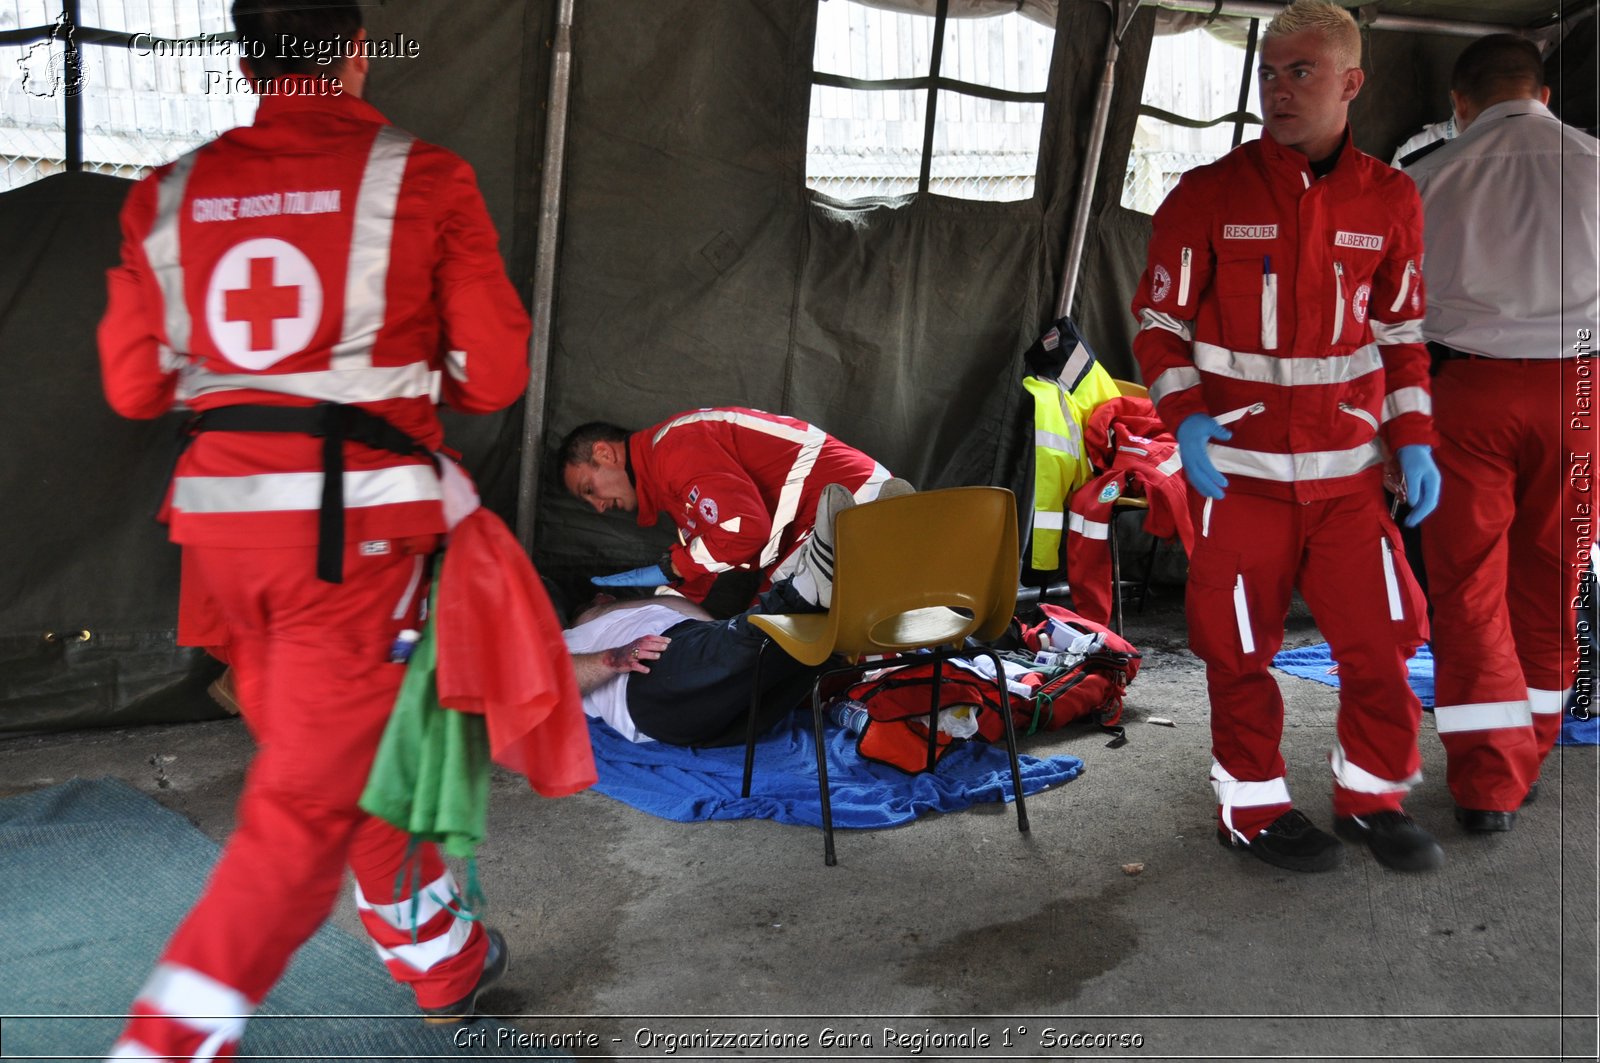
{"points": [[609, 701]]}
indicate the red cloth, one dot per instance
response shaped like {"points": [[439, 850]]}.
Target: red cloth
{"points": [[1517, 469], [1126, 438], [256, 312], [1340, 352], [742, 487], [501, 655]]}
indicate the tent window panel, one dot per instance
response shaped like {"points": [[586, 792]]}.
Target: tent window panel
{"points": [[978, 158], [863, 42], [140, 109], [866, 141], [1003, 52], [1196, 76], [850, 157]]}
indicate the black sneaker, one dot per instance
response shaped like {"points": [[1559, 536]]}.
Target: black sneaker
{"points": [[495, 961], [1291, 842], [1394, 838]]}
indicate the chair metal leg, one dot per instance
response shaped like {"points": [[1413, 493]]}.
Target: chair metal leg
{"points": [[822, 774], [1116, 575], [1011, 739], [1149, 573], [750, 724]]}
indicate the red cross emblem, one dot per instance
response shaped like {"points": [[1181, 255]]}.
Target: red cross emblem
{"points": [[262, 303]]}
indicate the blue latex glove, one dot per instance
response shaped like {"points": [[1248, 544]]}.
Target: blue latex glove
{"points": [[648, 576], [1422, 481], [1196, 431]]}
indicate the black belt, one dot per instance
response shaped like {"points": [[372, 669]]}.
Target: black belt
{"points": [[335, 424]]}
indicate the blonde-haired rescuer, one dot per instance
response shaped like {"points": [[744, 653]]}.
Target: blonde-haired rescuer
{"points": [[1512, 228], [313, 276], [1281, 335]]}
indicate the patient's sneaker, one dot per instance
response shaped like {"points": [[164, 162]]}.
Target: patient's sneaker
{"points": [[813, 573], [894, 487]]}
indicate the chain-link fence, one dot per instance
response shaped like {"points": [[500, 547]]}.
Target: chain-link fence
{"points": [[1152, 174], [867, 173]]}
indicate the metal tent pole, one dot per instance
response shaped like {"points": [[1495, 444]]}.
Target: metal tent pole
{"points": [[1121, 15], [544, 274], [1410, 23]]}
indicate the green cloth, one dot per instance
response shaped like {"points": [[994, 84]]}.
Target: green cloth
{"points": [[431, 775]]}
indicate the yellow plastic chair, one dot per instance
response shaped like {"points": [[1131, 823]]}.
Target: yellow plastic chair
{"points": [[916, 572]]}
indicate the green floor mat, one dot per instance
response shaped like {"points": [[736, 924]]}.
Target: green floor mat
{"points": [[94, 876]]}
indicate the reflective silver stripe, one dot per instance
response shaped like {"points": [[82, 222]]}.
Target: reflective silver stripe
{"points": [[865, 493], [1089, 529], [732, 525], [1269, 311], [1079, 362], [168, 359], [1361, 415], [1482, 716], [196, 1001], [367, 275], [1171, 465], [1399, 332], [1048, 519], [1405, 287], [1149, 319], [1547, 702], [1205, 518], [1362, 781], [1241, 616], [1231, 794], [1292, 468], [1407, 400], [373, 384], [271, 492], [1176, 379], [702, 556], [401, 608], [455, 363], [810, 440], [1391, 582], [425, 955], [430, 901], [1055, 441], [1286, 372], [164, 255]]}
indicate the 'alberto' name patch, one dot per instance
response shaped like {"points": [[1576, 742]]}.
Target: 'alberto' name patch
{"points": [[1365, 241], [1249, 232]]}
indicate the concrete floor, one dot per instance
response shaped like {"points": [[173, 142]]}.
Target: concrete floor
{"points": [[928, 938]]}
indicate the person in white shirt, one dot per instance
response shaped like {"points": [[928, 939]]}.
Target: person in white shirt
{"points": [[1511, 230]]}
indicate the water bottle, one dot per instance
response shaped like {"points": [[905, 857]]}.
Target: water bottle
{"points": [[849, 714], [404, 643]]}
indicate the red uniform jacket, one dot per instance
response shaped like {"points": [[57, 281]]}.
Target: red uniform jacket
{"points": [[319, 255], [1291, 308], [1125, 439], [741, 485]]}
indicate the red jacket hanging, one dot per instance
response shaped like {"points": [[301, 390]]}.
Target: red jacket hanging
{"points": [[1125, 438]]}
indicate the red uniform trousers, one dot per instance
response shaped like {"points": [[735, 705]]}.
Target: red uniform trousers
{"points": [[1504, 553], [311, 663], [1344, 555]]}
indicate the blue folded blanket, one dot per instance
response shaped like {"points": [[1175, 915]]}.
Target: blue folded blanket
{"points": [[694, 784], [1316, 663]]}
